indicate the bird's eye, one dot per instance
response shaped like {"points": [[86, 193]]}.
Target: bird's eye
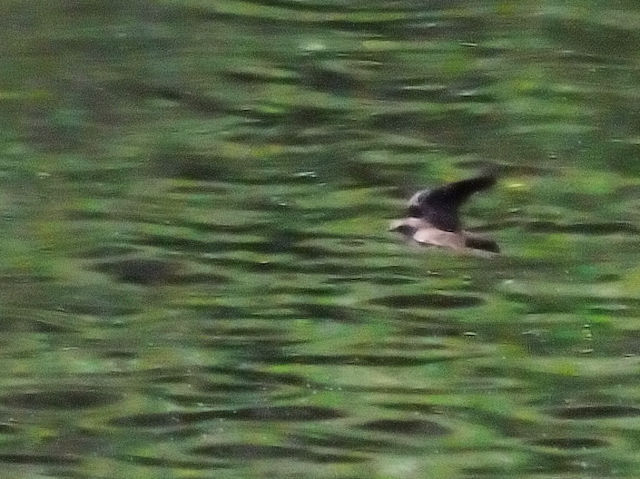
{"points": [[405, 229]]}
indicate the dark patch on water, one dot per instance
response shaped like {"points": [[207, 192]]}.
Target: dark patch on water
{"points": [[570, 442], [172, 463], [342, 314], [192, 166], [433, 330], [436, 300], [280, 76], [201, 278], [360, 360], [102, 175], [232, 388], [381, 280], [103, 307], [413, 407], [406, 426], [39, 325], [211, 397], [6, 428], [155, 272], [195, 101], [410, 345], [262, 377], [200, 188], [53, 399], [595, 412], [254, 345], [583, 228], [276, 413], [249, 452], [302, 291], [349, 443], [119, 354], [245, 331], [140, 270], [42, 459]]}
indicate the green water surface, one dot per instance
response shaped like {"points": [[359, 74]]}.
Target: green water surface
{"points": [[196, 277]]}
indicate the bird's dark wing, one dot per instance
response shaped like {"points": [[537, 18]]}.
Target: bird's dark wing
{"points": [[440, 206]]}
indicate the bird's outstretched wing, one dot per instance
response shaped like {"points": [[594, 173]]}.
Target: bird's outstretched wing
{"points": [[440, 206]]}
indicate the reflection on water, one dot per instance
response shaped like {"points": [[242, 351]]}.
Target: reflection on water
{"points": [[197, 278]]}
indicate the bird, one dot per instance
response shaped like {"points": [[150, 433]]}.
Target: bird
{"points": [[433, 218]]}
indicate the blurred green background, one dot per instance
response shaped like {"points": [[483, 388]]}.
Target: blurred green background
{"points": [[196, 275]]}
